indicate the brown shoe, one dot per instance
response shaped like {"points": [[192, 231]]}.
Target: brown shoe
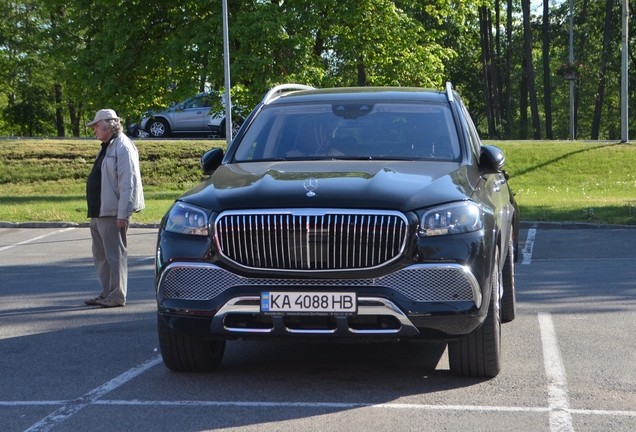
{"points": [[93, 301], [108, 303]]}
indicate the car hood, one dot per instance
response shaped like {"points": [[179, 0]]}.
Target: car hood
{"points": [[395, 185]]}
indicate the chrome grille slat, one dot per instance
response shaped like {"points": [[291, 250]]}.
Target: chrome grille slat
{"points": [[243, 227], [348, 252], [289, 259], [311, 239]]}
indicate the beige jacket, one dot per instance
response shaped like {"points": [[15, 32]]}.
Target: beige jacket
{"points": [[122, 193]]}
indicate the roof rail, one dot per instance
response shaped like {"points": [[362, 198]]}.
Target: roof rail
{"points": [[449, 91], [284, 87]]}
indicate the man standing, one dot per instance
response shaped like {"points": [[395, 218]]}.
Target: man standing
{"points": [[113, 193]]}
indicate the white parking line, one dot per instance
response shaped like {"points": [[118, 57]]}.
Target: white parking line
{"points": [[558, 401], [558, 409], [527, 250], [61, 414], [31, 403], [335, 405], [34, 239]]}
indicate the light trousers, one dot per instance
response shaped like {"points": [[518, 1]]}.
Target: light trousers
{"points": [[110, 254]]}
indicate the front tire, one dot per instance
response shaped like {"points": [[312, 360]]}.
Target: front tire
{"points": [[479, 353], [509, 298], [158, 128], [182, 353], [236, 125]]}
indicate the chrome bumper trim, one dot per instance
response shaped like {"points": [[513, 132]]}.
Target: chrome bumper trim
{"points": [[385, 307]]}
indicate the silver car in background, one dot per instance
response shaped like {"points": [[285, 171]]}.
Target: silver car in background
{"points": [[193, 116]]}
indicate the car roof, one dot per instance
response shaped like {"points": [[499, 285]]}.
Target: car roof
{"points": [[375, 94]]}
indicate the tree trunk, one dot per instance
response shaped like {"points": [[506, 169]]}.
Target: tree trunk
{"points": [[596, 122], [362, 74], [59, 119], [74, 119], [494, 77], [507, 103], [319, 45], [631, 32], [523, 102], [547, 90], [527, 39], [498, 62], [483, 32], [581, 58]]}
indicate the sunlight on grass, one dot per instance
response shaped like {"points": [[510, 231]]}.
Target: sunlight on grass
{"points": [[44, 180], [573, 181]]}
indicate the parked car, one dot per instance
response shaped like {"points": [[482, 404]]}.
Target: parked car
{"points": [[216, 124], [368, 214], [191, 116]]}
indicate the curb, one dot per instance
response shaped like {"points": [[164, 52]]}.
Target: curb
{"points": [[571, 225], [65, 225], [523, 225]]}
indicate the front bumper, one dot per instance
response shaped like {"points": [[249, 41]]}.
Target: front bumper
{"points": [[432, 301]]}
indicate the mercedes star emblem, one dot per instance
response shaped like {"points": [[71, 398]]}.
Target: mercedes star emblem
{"points": [[310, 186]]}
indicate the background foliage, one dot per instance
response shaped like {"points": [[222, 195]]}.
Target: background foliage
{"points": [[60, 61]]}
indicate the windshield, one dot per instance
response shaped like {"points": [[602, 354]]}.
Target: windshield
{"points": [[351, 131]]}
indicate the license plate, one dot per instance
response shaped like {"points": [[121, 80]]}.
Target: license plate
{"points": [[309, 303]]}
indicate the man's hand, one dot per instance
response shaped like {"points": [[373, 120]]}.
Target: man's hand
{"points": [[121, 223]]}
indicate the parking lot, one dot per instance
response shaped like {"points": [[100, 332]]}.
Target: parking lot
{"points": [[568, 358]]}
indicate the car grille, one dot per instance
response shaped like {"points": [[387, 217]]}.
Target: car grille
{"points": [[311, 239], [419, 283]]}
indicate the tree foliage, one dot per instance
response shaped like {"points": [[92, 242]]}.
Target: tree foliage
{"points": [[60, 61]]}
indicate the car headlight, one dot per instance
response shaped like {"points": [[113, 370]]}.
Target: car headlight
{"points": [[187, 219], [454, 218]]}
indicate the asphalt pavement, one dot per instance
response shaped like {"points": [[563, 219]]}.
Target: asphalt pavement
{"points": [[568, 358]]}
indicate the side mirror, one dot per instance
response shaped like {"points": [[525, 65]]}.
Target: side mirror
{"points": [[491, 160], [211, 160]]}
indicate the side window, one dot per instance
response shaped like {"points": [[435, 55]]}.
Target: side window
{"points": [[252, 146], [197, 102], [475, 142], [205, 102]]}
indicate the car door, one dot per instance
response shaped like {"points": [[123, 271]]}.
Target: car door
{"points": [[495, 186], [192, 115]]}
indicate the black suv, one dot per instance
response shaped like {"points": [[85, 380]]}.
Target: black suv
{"points": [[343, 214]]}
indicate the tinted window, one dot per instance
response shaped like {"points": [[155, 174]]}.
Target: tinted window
{"points": [[197, 102], [473, 136], [351, 131]]}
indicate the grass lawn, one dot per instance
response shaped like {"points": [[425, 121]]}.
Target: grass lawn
{"points": [[573, 181], [44, 179]]}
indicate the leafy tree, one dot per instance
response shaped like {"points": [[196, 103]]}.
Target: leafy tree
{"points": [[25, 77], [363, 42], [60, 61]]}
